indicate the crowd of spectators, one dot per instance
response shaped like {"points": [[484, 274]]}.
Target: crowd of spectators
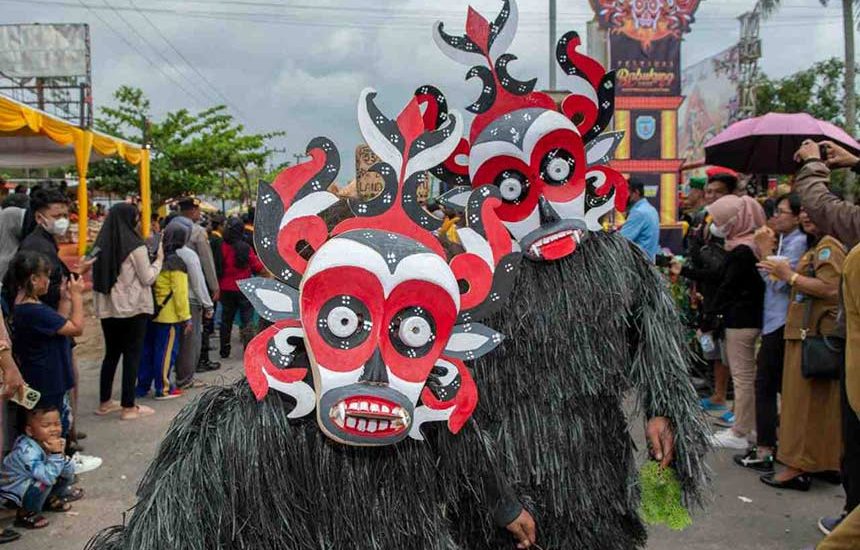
{"points": [[776, 308], [153, 299]]}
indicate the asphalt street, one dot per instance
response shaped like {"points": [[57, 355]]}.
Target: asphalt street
{"points": [[744, 513]]}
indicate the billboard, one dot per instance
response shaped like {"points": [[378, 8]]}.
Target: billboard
{"points": [[711, 102], [645, 43], [44, 51]]}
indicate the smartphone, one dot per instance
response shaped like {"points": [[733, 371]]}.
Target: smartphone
{"points": [[27, 399], [823, 151], [94, 253]]}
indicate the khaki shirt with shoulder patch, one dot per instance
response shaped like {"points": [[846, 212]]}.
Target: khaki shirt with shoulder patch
{"points": [[824, 262]]}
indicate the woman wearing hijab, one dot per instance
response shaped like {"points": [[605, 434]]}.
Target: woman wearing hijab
{"points": [[11, 233], [238, 262], [739, 303], [172, 318], [810, 429], [122, 277]]}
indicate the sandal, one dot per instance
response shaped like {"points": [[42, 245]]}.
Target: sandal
{"points": [[57, 504], [138, 411], [112, 407], [9, 535], [71, 494], [31, 520]]}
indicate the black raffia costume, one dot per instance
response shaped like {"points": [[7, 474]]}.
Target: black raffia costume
{"points": [[589, 317], [586, 329]]}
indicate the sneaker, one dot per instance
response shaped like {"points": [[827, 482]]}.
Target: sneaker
{"points": [[827, 524], [751, 460], [85, 463], [708, 405], [728, 440], [725, 420], [172, 394]]}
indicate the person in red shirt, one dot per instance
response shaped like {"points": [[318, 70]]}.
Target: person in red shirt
{"points": [[238, 262]]}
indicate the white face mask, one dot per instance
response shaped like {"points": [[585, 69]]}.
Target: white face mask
{"points": [[58, 227], [717, 232]]}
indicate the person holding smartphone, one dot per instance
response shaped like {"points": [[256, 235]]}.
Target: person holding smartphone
{"points": [[123, 276], [41, 336]]}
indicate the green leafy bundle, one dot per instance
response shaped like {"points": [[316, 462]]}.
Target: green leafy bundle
{"points": [[661, 497]]}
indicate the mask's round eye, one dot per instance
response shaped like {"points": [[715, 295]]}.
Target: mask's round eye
{"points": [[412, 332], [415, 331], [344, 322], [513, 186], [557, 167]]}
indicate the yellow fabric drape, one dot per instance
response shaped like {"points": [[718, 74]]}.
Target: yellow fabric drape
{"points": [[83, 147], [15, 116]]}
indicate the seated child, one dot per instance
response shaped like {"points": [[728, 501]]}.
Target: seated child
{"points": [[36, 474]]}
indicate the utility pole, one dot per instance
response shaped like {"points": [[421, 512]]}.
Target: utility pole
{"points": [[553, 16], [749, 52], [850, 90]]}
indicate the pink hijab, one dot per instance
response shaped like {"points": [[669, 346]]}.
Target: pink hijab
{"points": [[739, 217]]}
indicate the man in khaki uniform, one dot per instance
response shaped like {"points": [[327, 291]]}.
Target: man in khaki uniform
{"points": [[842, 220]]}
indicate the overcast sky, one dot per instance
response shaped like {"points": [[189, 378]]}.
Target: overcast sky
{"points": [[299, 66]]}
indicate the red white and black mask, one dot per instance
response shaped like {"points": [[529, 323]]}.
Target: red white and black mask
{"points": [[372, 322], [546, 161]]}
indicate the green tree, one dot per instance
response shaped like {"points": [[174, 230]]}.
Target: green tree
{"points": [[191, 153], [816, 90], [770, 6]]}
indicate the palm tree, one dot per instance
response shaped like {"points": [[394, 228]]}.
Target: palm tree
{"points": [[768, 7]]}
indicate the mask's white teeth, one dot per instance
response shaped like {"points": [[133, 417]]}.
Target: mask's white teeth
{"points": [[351, 422], [383, 425], [362, 425], [371, 426]]}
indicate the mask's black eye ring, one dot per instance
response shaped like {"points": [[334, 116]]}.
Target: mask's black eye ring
{"points": [[557, 167], [513, 186], [344, 322], [412, 332]]}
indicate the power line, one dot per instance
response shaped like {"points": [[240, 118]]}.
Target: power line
{"points": [[393, 22], [185, 59], [134, 47], [156, 50]]}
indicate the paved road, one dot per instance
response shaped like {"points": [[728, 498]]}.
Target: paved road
{"points": [[774, 520]]}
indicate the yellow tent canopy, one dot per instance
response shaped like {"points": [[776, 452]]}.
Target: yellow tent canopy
{"points": [[30, 138]]}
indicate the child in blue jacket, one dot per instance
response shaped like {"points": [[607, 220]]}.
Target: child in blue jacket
{"points": [[37, 475]]}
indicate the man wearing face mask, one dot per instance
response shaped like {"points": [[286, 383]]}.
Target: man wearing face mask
{"points": [[50, 212], [705, 260]]}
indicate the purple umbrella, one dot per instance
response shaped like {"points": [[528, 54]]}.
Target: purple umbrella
{"points": [[766, 144]]}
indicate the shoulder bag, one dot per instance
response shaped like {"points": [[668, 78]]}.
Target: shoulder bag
{"points": [[822, 357]]}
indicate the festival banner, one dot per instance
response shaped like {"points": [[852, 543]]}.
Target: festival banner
{"points": [[645, 43], [711, 101]]}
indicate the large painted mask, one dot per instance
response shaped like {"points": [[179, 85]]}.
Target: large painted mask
{"points": [[546, 160], [373, 314]]}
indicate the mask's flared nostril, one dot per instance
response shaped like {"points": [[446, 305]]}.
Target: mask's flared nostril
{"points": [[374, 370], [548, 214]]}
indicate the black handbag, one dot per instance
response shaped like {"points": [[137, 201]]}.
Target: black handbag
{"points": [[822, 357]]}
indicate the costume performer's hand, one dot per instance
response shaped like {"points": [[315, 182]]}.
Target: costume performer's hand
{"points": [[523, 529], [661, 439]]}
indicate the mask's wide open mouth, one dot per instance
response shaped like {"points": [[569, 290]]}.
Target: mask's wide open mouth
{"points": [[551, 243], [369, 416]]}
